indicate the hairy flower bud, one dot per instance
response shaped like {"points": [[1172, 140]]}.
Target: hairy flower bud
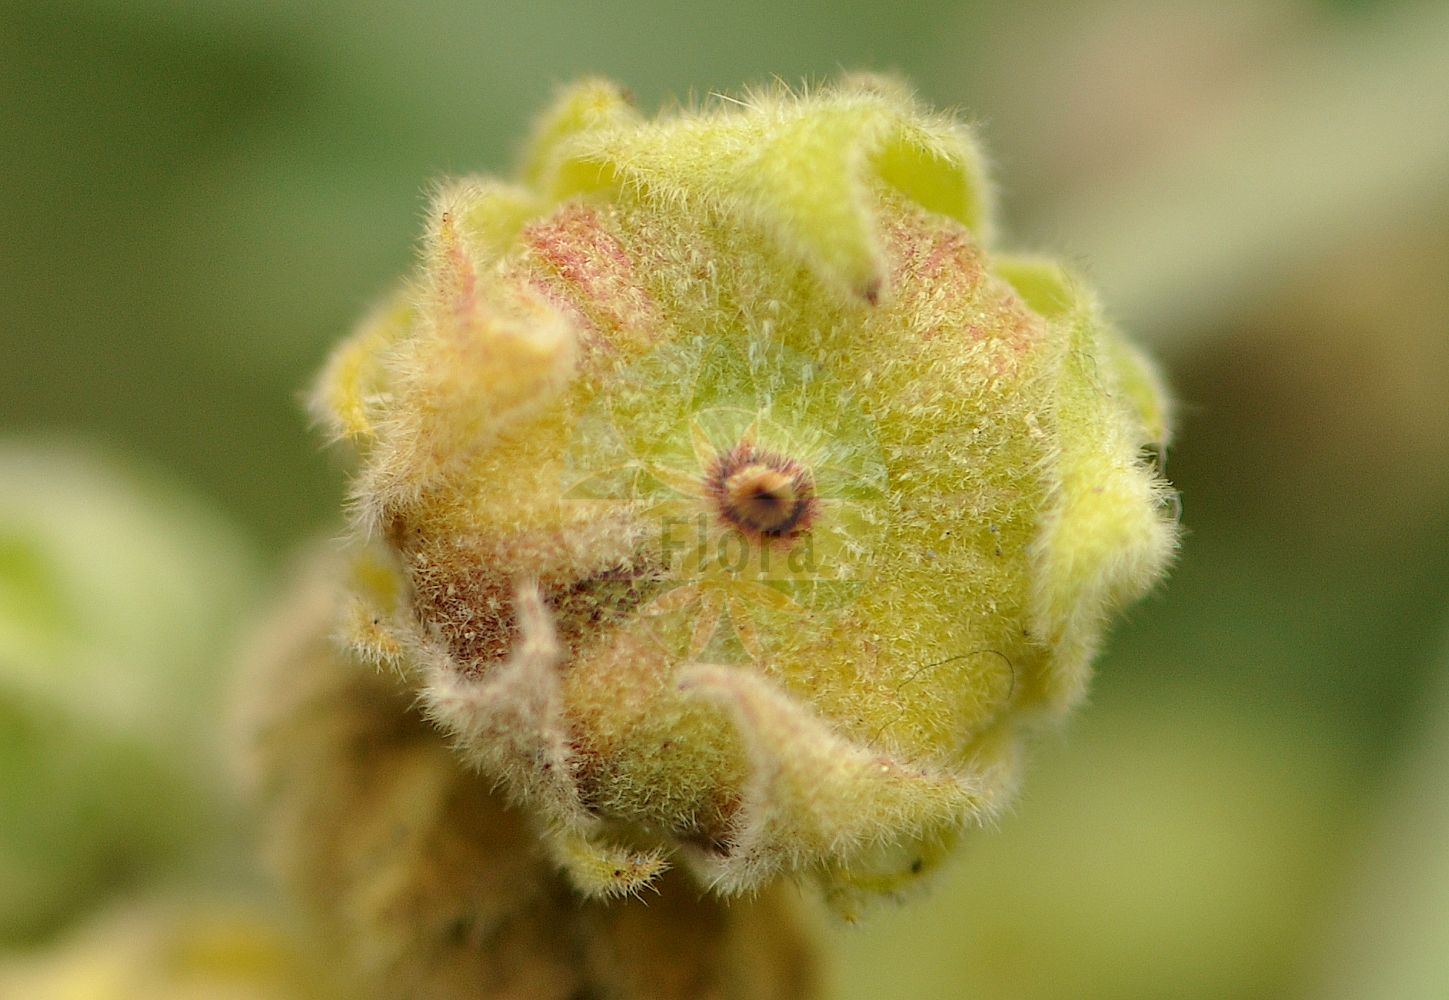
{"points": [[729, 502]]}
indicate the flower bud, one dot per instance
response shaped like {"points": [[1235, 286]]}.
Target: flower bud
{"points": [[730, 501]]}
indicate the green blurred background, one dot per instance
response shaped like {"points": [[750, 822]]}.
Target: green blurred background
{"points": [[199, 198]]}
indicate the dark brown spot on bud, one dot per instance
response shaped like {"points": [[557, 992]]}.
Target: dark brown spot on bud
{"points": [[463, 594], [764, 495]]}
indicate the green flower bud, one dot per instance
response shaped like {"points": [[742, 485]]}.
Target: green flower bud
{"points": [[730, 502]]}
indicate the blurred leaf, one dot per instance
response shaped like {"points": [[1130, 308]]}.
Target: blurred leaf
{"points": [[118, 600], [174, 949], [1346, 128], [1394, 941], [1171, 848]]}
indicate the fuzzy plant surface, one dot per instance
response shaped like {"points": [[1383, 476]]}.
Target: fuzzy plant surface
{"points": [[729, 501]]}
